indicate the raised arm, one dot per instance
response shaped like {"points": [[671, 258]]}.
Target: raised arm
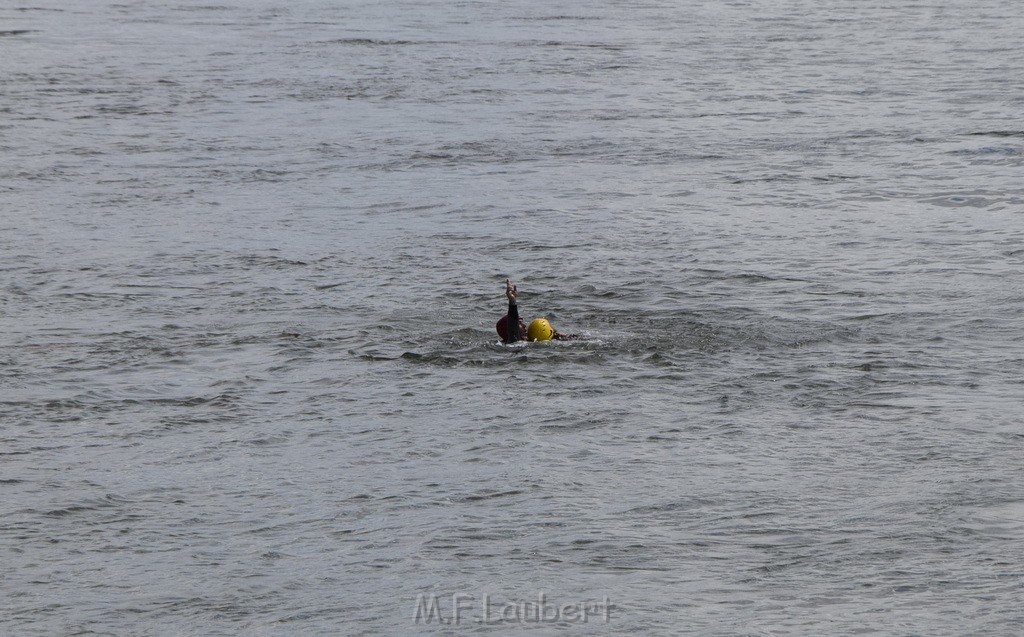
{"points": [[514, 333]]}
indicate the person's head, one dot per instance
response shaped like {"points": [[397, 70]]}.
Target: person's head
{"points": [[502, 327], [540, 330]]}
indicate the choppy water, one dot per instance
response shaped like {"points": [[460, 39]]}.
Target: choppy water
{"points": [[253, 252]]}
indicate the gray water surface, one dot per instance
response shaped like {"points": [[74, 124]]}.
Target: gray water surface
{"points": [[253, 253]]}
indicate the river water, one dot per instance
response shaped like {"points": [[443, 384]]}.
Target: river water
{"points": [[253, 253]]}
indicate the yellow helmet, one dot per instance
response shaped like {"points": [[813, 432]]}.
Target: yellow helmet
{"points": [[540, 330]]}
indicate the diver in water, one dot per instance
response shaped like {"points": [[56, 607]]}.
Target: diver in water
{"points": [[512, 329]]}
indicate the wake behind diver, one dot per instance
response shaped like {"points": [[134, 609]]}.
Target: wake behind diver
{"points": [[511, 328]]}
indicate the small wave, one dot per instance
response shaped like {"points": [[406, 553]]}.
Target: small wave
{"points": [[379, 42], [488, 495], [556, 18], [961, 201], [206, 7], [998, 133]]}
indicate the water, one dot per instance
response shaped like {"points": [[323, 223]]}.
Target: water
{"points": [[253, 254]]}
